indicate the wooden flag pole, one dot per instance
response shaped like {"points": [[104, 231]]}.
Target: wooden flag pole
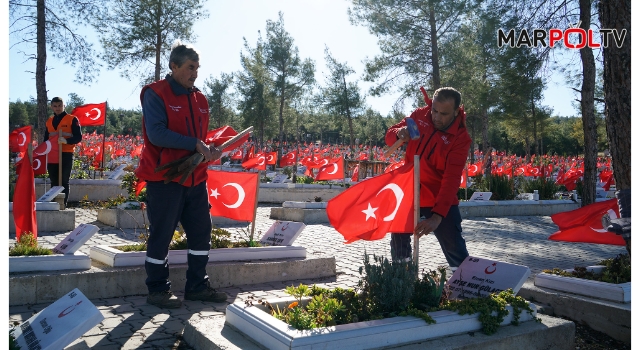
{"points": [[60, 161], [255, 206], [104, 137], [416, 207]]}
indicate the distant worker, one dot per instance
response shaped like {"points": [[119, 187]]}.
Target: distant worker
{"points": [[443, 147], [67, 127]]}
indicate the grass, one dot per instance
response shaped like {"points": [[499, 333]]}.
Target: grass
{"points": [[28, 246]]}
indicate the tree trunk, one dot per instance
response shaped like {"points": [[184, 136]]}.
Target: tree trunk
{"points": [[158, 40], [281, 117], [434, 48], [588, 117], [616, 14], [346, 105], [41, 67], [535, 126]]}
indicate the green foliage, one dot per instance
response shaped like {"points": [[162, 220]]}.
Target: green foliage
{"points": [[304, 179], [387, 286], [78, 171], [28, 246], [129, 182], [12, 341], [321, 311], [546, 188], [492, 309], [500, 185], [428, 290], [220, 238], [139, 247], [617, 270]]}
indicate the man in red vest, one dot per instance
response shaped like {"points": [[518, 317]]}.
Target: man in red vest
{"points": [[68, 127], [175, 124]]}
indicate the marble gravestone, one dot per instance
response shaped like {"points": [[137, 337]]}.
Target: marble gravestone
{"points": [[76, 239], [282, 233], [479, 277], [480, 196]]}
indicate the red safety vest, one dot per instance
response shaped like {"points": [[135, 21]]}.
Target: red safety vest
{"points": [[187, 115]]}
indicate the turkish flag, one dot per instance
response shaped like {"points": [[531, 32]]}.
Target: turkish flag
{"points": [[463, 180], [258, 162], [232, 194], [248, 155], [356, 173], [137, 151], [585, 224], [19, 139], [394, 166], [363, 156], [372, 208], [475, 169], [39, 164], [24, 199], [288, 159], [318, 163], [271, 158], [49, 147], [334, 170], [139, 186], [92, 114], [237, 154], [221, 135]]}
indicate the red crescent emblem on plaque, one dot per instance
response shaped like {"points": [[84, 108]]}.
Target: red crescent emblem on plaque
{"points": [[487, 269], [63, 313]]}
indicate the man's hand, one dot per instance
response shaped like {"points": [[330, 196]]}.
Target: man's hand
{"points": [[403, 134], [203, 149], [62, 140], [215, 152], [429, 225]]}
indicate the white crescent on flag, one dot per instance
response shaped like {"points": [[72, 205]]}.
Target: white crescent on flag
{"points": [[39, 164], [270, 158], [240, 195], [262, 159], [335, 169], [97, 115], [24, 139], [397, 191]]}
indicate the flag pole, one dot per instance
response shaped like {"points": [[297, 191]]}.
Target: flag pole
{"points": [[255, 206], [104, 135], [416, 207], [60, 161]]}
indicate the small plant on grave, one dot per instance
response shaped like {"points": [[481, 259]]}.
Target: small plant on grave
{"points": [[247, 238], [317, 199], [220, 238], [179, 239], [129, 183], [304, 180], [617, 270], [320, 311], [111, 202], [287, 171], [500, 185], [428, 291], [27, 245]]}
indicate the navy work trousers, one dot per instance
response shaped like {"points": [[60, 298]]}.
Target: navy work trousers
{"points": [[168, 204], [448, 233]]}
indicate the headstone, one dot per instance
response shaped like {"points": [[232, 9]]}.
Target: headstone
{"points": [[481, 196], [601, 193], [59, 324], [117, 172], [278, 179], [270, 174], [51, 194], [478, 277], [76, 239], [282, 233]]}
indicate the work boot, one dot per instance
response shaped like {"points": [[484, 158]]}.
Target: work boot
{"points": [[207, 294], [164, 300]]}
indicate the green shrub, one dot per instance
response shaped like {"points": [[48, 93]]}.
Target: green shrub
{"points": [[28, 246], [547, 188], [303, 179], [500, 186]]}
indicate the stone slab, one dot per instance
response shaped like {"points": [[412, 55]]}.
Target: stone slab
{"points": [[132, 218], [106, 282], [93, 189], [601, 290], [42, 206], [53, 262], [280, 193], [51, 221], [611, 318], [307, 216]]}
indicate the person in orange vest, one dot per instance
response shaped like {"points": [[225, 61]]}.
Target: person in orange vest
{"points": [[70, 134]]}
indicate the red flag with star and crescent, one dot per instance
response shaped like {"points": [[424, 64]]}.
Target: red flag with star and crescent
{"points": [[19, 139], [39, 164], [92, 114], [333, 170], [585, 224], [288, 159], [258, 162], [371, 208], [232, 194], [50, 148]]}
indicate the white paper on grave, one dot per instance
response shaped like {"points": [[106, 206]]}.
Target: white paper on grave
{"points": [[76, 239], [51, 194], [282, 233], [59, 324], [480, 277], [481, 196], [278, 179], [117, 172]]}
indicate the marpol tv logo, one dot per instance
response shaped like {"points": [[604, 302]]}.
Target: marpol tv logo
{"points": [[573, 37]]}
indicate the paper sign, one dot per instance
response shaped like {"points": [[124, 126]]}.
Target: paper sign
{"points": [[51, 194], [59, 324], [278, 179], [282, 233], [76, 239], [117, 172], [481, 196], [480, 277]]}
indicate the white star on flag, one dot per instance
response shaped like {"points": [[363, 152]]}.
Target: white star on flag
{"points": [[214, 193], [87, 114], [370, 212]]}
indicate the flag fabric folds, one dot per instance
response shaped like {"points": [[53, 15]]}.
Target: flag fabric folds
{"points": [[221, 135], [585, 224], [232, 194], [371, 208], [19, 139], [92, 114], [334, 170], [24, 200], [39, 164], [258, 162], [50, 148]]}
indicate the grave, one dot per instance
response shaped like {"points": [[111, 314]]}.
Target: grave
{"points": [[59, 324], [480, 196], [94, 190], [479, 277], [49, 217], [282, 233]]}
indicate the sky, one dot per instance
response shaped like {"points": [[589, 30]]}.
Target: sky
{"points": [[312, 24]]}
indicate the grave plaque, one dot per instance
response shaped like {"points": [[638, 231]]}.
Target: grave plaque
{"points": [[278, 179], [76, 239], [117, 172], [282, 233], [480, 277], [59, 324], [51, 194], [481, 196], [601, 193]]}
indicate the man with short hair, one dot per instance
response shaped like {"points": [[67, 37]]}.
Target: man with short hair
{"points": [[443, 146], [175, 124], [67, 127]]}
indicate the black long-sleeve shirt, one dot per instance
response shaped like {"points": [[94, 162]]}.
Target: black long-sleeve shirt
{"points": [[75, 129]]}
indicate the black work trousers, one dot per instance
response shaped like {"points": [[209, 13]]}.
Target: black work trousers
{"points": [[52, 169], [168, 204]]}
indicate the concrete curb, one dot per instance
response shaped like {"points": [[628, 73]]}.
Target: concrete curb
{"points": [[611, 318], [106, 282], [551, 333]]}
